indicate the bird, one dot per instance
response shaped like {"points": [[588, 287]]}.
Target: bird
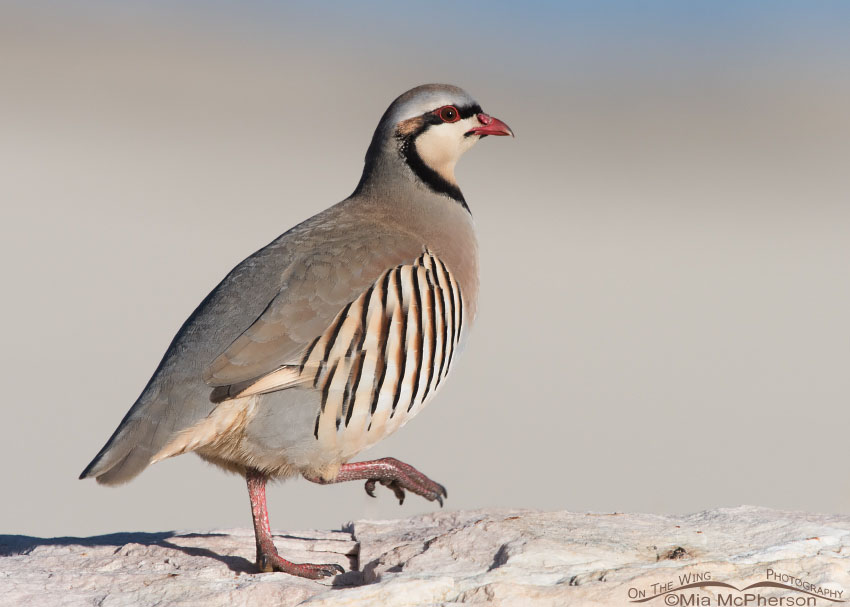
{"points": [[332, 336]]}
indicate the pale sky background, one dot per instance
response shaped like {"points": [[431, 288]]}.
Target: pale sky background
{"points": [[665, 309]]}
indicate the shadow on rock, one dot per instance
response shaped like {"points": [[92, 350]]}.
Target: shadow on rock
{"points": [[11, 545]]}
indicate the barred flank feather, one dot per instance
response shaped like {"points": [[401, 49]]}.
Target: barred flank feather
{"points": [[382, 357]]}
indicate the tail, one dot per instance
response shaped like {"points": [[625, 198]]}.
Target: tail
{"points": [[153, 430], [131, 447], [121, 458]]}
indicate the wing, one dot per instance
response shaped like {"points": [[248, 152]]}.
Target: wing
{"points": [[316, 287]]}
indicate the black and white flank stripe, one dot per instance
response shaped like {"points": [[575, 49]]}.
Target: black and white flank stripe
{"points": [[385, 353]]}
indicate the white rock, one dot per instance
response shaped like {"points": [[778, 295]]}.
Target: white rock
{"points": [[497, 557]]}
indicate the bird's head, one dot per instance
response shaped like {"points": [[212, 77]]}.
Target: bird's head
{"points": [[427, 129]]}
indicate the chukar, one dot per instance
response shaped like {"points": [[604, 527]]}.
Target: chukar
{"points": [[331, 337]]}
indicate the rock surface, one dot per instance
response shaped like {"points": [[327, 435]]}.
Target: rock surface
{"points": [[498, 557]]}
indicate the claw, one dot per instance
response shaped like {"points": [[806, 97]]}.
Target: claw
{"points": [[370, 487], [397, 489], [332, 569]]}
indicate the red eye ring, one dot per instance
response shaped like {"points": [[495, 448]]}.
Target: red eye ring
{"points": [[448, 113]]}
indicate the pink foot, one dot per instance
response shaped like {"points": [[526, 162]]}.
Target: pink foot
{"points": [[391, 473], [269, 560], [267, 557]]}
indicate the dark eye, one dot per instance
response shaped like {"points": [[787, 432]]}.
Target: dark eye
{"points": [[448, 114]]}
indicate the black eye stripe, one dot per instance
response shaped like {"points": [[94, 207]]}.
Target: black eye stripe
{"points": [[464, 111], [468, 111]]}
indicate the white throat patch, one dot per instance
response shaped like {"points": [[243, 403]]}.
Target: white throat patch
{"points": [[442, 145]]}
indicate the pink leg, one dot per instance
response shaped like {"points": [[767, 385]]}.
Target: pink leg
{"points": [[267, 557], [391, 473]]}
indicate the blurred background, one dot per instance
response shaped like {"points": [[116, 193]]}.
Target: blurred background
{"points": [[665, 310]]}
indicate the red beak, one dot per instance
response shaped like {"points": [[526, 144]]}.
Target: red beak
{"points": [[490, 126]]}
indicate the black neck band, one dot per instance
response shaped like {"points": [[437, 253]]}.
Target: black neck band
{"points": [[426, 174]]}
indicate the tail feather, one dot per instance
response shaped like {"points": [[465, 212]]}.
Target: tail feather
{"points": [[115, 453], [126, 468]]}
